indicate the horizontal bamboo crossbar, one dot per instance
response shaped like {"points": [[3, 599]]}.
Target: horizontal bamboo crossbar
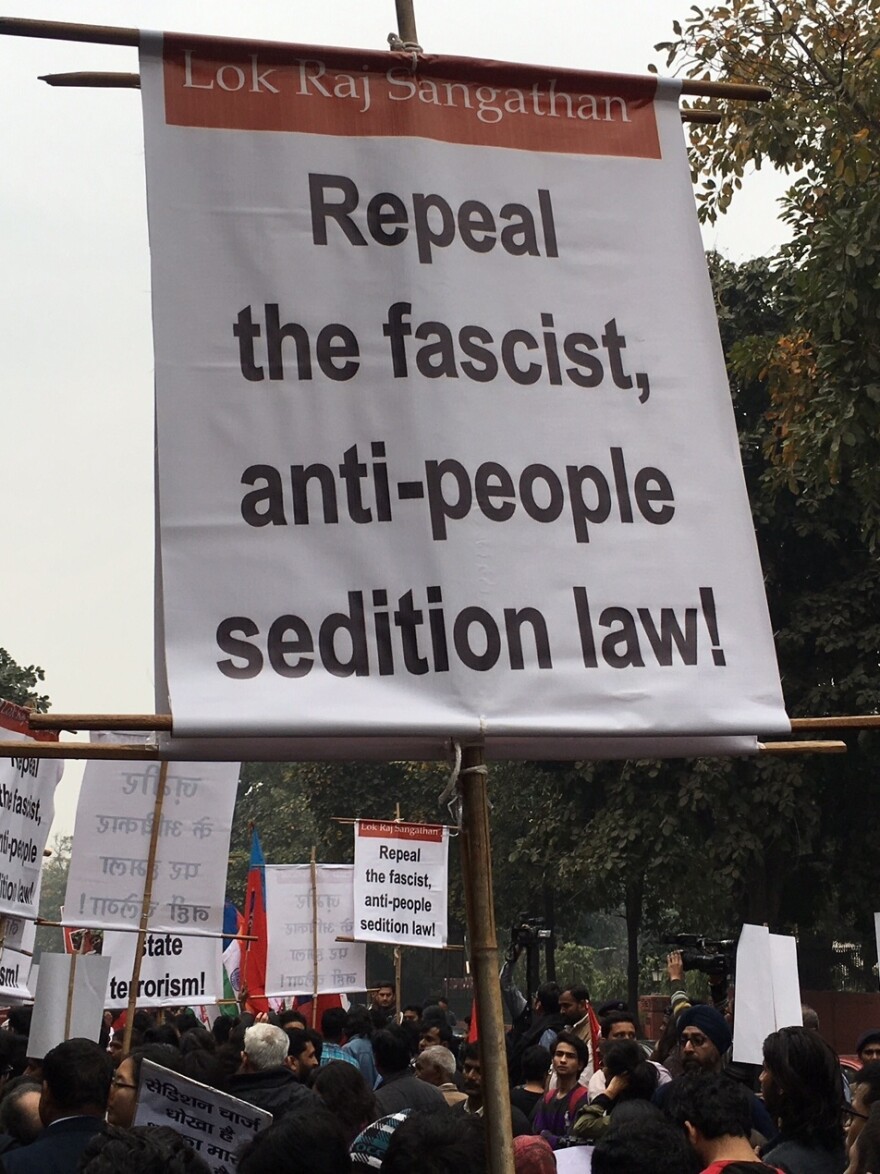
{"points": [[100, 721], [809, 747], [98, 81], [99, 34], [858, 722]]}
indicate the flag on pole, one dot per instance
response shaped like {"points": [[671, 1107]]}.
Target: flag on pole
{"points": [[233, 923], [253, 959]]}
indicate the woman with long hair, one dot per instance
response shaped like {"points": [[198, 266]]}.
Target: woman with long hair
{"points": [[800, 1083]]}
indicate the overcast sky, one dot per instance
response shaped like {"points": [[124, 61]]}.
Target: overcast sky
{"points": [[76, 473]]}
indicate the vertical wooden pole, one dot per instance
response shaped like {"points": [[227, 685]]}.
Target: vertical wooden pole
{"points": [[477, 874], [145, 907], [314, 938], [71, 982], [398, 975], [406, 22]]}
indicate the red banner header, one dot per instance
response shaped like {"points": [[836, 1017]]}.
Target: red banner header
{"points": [[262, 86]]}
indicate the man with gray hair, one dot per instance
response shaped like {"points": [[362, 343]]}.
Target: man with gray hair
{"points": [[264, 1079], [436, 1065]]}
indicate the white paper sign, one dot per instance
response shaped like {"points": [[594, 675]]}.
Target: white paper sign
{"points": [[58, 1015], [176, 970], [445, 440], [767, 990], [290, 967], [215, 1125], [401, 883], [27, 806], [577, 1159], [114, 818]]}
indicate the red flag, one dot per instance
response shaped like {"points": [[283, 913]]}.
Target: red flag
{"points": [[473, 1029], [253, 965]]}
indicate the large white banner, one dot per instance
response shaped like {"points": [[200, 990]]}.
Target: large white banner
{"points": [[114, 820], [27, 807], [445, 438], [401, 883], [16, 956], [295, 927]]}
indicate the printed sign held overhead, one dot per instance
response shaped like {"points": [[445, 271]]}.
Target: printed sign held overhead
{"points": [[401, 883]]}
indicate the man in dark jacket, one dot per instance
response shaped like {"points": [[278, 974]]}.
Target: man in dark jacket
{"points": [[399, 1088], [264, 1078], [73, 1100]]}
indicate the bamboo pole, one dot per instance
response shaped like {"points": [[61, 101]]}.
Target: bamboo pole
{"points": [[406, 22], [809, 747], [477, 869], [123, 751], [100, 721], [868, 721], [71, 982], [233, 937], [109, 35], [145, 907], [94, 80], [314, 864]]}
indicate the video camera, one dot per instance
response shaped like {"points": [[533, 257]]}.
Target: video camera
{"points": [[529, 931], [714, 956]]}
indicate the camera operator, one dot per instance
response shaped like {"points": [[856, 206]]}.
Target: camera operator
{"points": [[539, 1023]]}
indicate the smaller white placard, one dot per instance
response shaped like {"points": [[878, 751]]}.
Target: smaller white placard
{"points": [[576, 1159], [51, 1024], [401, 883], [216, 1125], [786, 981], [767, 990], [176, 970]]}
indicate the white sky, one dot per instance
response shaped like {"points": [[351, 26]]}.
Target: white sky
{"points": [[76, 470]]}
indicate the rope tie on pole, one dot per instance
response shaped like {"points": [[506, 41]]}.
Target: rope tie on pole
{"points": [[450, 798], [400, 46]]}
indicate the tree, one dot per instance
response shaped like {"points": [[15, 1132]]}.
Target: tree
{"points": [[18, 684], [52, 889], [820, 59]]}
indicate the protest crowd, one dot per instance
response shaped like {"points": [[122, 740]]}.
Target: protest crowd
{"points": [[399, 1090]]}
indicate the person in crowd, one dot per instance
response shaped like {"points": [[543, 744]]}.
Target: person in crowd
{"points": [[864, 1155], [715, 1113], [533, 1155], [302, 1056], [436, 1065], [359, 1029], [264, 1078], [630, 1077], [619, 1025], [472, 1072], [440, 1000], [412, 1013], [143, 1150], [865, 1092], [383, 1009], [398, 1088], [809, 1017], [20, 1122], [537, 1025], [703, 1039], [534, 1066], [868, 1046], [642, 1141], [124, 1085], [13, 1055], [343, 1090], [304, 1141], [436, 1031], [73, 1101], [221, 1028], [333, 1031], [437, 1143], [292, 1019], [554, 1114], [574, 1007], [371, 1145], [800, 1083]]}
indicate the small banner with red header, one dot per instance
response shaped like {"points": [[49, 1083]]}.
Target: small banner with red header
{"points": [[401, 882]]}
